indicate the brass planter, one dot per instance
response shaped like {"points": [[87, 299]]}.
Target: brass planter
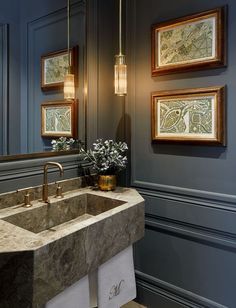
{"points": [[107, 182]]}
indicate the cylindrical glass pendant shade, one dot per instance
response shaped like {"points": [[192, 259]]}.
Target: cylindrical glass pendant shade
{"points": [[120, 71], [69, 87]]}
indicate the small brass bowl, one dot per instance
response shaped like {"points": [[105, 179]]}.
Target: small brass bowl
{"points": [[107, 182]]}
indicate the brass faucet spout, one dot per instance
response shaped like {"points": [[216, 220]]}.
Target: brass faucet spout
{"points": [[45, 178]]}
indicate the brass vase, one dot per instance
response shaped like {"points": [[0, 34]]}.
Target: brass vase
{"points": [[107, 182]]}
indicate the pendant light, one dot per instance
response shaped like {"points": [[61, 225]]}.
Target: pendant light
{"points": [[120, 69], [69, 80]]}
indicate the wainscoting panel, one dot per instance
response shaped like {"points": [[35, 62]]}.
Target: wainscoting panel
{"points": [[202, 216], [151, 296], [169, 295], [174, 257], [188, 255]]}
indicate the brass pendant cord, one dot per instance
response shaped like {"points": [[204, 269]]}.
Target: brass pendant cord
{"points": [[120, 65], [120, 27], [69, 81], [68, 33]]}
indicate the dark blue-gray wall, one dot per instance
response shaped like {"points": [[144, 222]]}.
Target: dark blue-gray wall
{"points": [[187, 258], [188, 255]]}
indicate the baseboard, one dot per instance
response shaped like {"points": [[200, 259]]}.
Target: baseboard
{"points": [[171, 293]]}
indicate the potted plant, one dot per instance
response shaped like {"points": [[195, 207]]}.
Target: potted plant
{"points": [[108, 158], [62, 144]]}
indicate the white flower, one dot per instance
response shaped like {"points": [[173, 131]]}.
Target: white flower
{"points": [[108, 156]]}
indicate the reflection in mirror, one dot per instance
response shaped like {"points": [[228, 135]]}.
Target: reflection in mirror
{"points": [[33, 62]]}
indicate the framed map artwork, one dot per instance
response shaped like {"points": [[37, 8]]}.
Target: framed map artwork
{"points": [[59, 119], [189, 43], [189, 116], [54, 67]]}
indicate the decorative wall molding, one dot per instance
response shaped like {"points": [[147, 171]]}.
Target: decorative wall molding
{"points": [[28, 172], [199, 219], [131, 63], [16, 174], [206, 198], [220, 201], [192, 232], [23, 168], [5, 76], [92, 44], [194, 195], [77, 8], [174, 293]]}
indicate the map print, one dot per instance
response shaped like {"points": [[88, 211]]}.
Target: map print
{"points": [[186, 116], [190, 42], [58, 119], [56, 68]]}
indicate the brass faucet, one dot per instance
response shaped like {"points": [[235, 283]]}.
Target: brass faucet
{"points": [[45, 177]]}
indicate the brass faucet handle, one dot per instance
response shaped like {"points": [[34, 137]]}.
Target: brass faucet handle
{"points": [[59, 193], [27, 201]]}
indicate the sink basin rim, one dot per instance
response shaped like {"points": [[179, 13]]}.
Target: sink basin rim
{"points": [[39, 218]]}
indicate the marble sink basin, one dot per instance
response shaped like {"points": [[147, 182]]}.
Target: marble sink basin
{"points": [[48, 247], [48, 216]]}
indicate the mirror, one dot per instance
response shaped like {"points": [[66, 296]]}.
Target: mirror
{"points": [[33, 37]]}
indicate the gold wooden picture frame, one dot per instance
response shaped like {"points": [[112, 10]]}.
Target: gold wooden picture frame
{"points": [[189, 43], [195, 116], [59, 119], [54, 67]]}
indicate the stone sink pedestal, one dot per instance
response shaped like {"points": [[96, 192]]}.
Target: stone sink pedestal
{"points": [[48, 247]]}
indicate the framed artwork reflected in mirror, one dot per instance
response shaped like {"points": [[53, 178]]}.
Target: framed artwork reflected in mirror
{"points": [[59, 119], [54, 67]]}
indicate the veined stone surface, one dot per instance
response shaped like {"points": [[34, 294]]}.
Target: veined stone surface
{"points": [[14, 198], [41, 259]]}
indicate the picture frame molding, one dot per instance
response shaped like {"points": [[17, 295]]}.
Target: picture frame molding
{"points": [[74, 118], [220, 59], [217, 91]]}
